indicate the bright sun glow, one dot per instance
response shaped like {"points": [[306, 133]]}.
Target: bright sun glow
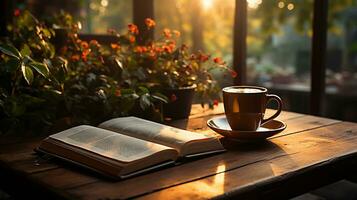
{"points": [[254, 4], [207, 4]]}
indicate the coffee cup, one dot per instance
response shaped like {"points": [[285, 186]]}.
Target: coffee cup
{"points": [[245, 106]]}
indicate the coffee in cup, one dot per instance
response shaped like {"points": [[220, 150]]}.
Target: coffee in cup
{"points": [[245, 106]]}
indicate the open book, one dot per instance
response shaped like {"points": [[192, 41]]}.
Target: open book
{"points": [[127, 146]]}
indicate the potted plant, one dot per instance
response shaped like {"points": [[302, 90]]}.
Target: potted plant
{"points": [[46, 90], [169, 68]]}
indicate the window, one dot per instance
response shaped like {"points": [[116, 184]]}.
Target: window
{"points": [[279, 35], [101, 15], [279, 44], [341, 60], [205, 25]]}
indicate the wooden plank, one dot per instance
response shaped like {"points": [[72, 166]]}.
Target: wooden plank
{"points": [[20, 186], [28, 163], [310, 149], [21, 157], [66, 178], [305, 123], [19, 139], [240, 155], [18, 146]]}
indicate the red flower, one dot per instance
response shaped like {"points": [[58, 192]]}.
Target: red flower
{"points": [[152, 55], [17, 12], [133, 29], [94, 43], [173, 97], [218, 60], [233, 74], [168, 48], [203, 57], [140, 49], [85, 53], [84, 45], [117, 93], [75, 58], [215, 102], [114, 46], [158, 49], [149, 23], [167, 33], [132, 39]]}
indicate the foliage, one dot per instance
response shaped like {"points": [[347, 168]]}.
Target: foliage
{"points": [[162, 63], [51, 79], [44, 88]]}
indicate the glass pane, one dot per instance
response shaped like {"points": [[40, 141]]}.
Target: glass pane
{"points": [[279, 48], [205, 25], [341, 60], [101, 15], [96, 16]]}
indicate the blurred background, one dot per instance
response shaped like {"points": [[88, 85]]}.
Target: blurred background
{"points": [[279, 37]]}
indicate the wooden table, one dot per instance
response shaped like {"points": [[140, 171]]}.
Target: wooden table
{"points": [[312, 151]]}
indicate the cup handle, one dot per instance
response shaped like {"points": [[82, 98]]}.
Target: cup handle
{"points": [[280, 103]]}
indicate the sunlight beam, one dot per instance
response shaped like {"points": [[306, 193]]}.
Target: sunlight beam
{"points": [[207, 4]]}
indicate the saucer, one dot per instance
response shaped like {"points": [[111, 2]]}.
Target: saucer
{"points": [[268, 129]]}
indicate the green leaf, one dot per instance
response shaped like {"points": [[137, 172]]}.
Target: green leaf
{"points": [[2, 103], [64, 63], [27, 73], [145, 101], [10, 51], [46, 32], [40, 68], [29, 100], [25, 51], [17, 109], [143, 89], [12, 65], [52, 50], [127, 91], [118, 63], [160, 97]]}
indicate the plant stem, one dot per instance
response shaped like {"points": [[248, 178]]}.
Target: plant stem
{"points": [[15, 83]]}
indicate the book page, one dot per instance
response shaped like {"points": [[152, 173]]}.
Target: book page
{"points": [[107, 143], [152, 131]]}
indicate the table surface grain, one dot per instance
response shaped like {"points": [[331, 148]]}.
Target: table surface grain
{"points": [[312, 151]]}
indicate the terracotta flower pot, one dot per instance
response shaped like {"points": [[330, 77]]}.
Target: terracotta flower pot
{"points": [[180, 102]]}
